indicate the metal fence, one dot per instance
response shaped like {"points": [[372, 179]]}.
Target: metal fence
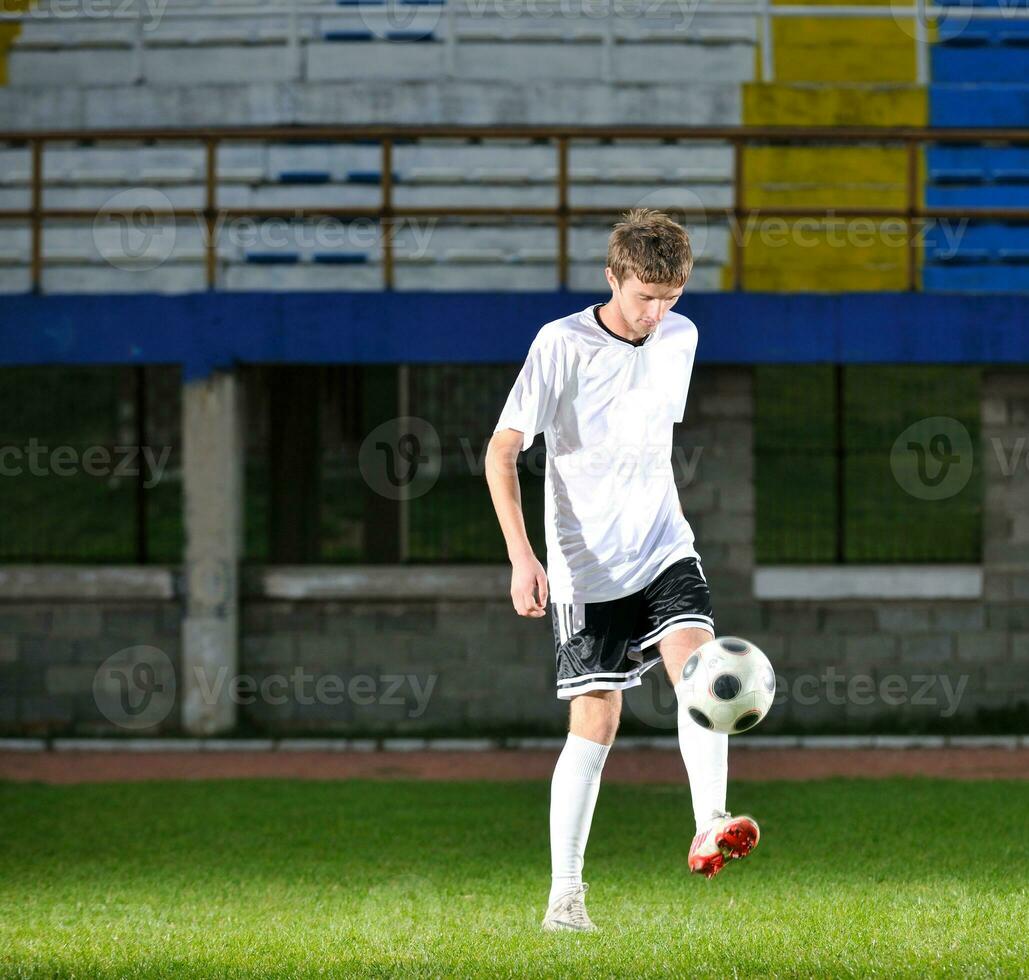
{"points": [[90, 464], [76, 486], [561, 215], [833, 478]]}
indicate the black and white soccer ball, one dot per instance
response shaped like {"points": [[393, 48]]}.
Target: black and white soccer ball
{"points": [[729, 685]]}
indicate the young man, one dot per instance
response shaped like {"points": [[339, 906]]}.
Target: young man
{"points": [[625, 584]]}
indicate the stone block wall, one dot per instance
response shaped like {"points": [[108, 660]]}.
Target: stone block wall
{"points": [[51, 652], [407, 659]]}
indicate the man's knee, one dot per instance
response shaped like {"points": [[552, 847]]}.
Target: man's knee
{"points": [[595, 715], [677, 647]]}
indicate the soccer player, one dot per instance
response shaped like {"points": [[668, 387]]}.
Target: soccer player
{"points": [[626, 588]]}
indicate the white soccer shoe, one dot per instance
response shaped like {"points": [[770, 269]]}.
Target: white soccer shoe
{"points": [[567, 913], [725, 838]]}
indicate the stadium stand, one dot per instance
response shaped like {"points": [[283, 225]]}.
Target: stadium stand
{"points": [[844, 72], [85, 256], [979, 78], [338, 62]]}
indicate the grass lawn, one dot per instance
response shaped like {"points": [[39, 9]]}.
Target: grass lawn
{"points": [[265, 878]]}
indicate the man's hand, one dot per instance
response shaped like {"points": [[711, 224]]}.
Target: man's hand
{"points": [[528, 578]]}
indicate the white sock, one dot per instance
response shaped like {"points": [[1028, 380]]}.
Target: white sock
{"points": [[573, 795], [706, 755]]}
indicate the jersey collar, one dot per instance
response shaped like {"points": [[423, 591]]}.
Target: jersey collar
{"points": [[613, 337]]}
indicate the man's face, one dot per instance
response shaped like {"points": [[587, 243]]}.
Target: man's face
{"points": [[643, 304]]}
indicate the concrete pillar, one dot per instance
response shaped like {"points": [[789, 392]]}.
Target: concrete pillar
{"points": [[1000, 650], [212, 437]]}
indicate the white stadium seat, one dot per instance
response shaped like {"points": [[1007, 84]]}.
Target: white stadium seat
{"points": [[240, 69]]}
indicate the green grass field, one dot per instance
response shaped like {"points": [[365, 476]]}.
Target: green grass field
{"points": [[264, 878]]}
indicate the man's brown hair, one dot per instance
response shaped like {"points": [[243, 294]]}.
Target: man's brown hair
{"points": [[650, 245]]}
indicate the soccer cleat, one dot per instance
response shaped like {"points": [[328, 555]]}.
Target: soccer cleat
{"points": [[726, 837], [567, 913]]}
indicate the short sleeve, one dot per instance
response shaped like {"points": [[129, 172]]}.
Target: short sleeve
{"points": [[532, 403], [687, 375]]}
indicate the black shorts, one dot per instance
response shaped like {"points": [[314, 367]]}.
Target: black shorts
{"points": [[607, 646]]}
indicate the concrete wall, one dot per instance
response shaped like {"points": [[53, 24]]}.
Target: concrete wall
{"points": [[437, 651]]}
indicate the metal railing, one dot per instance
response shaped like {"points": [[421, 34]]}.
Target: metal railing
{"points": [[919, 16], [562, 214]]}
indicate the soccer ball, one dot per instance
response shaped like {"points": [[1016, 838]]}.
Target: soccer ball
{"points": [[729, 685]]}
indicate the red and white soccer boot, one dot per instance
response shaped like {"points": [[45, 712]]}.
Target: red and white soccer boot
{"points": [[724, 838]]}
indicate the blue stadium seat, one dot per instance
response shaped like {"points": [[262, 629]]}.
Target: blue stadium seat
{"points": [[980, 241], [272, 258], [348, 35], [961, 32], [369, 177], [976, 278], [988, 63], [978, 196], [340, 258], [977, 164], [304, 177], [409, 36], [987, 105]]}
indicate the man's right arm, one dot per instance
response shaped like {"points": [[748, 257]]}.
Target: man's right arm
{"points": [[529, 590]]}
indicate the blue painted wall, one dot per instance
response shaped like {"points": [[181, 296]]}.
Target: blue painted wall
{"points": [[208, 331]]}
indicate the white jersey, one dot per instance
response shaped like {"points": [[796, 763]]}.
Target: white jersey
{"points": [[606, 407]]}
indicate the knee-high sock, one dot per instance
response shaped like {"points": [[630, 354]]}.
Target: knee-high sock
{"points": [[706, 755], [573, 795]]}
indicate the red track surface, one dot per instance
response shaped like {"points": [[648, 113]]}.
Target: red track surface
{"points": [[629, 766]]}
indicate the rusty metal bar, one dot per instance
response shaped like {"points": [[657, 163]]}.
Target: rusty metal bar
{"points": [[36, 215], [211, 214], [763, 134], [386, 226], [913, 212], [562, 213], [317, 211], [738, 212]]}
